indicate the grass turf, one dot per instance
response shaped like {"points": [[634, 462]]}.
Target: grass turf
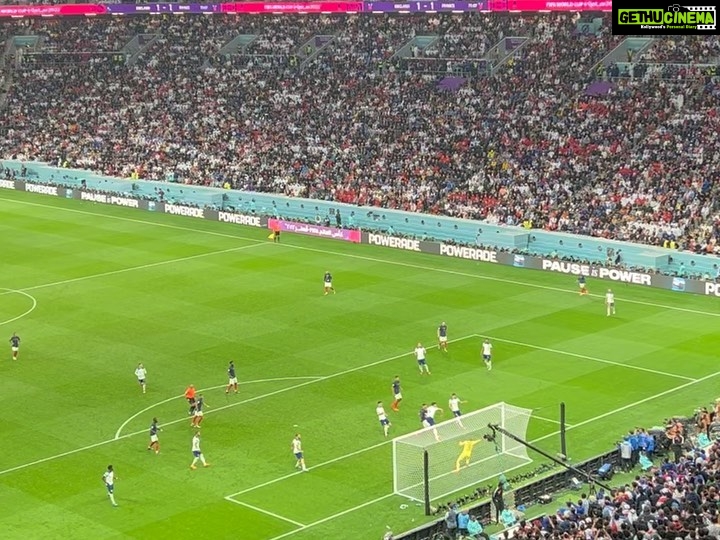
{"points": [[93, 290]]}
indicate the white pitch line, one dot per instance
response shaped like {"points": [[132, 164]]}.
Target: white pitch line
{"points": [[549, 435], [586, 357], [353, 256], [551, 420], [318, 466], [266, 512], [134, 268], [217, 409], [334, 516], [293, 387], [168, 400], [630, 406], [23, 293]]}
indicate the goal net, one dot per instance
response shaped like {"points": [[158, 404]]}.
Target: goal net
{"points": [[461, 452]]}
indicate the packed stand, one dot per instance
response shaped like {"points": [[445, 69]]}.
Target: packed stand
{"points": [[285, 35], [472, 44], [675, 494], [683, 50], [524, 145]]}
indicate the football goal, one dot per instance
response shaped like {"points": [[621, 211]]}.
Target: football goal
{"points": [[458, 453]]}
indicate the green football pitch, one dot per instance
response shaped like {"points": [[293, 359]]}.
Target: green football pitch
{"points": [[94, 290]]}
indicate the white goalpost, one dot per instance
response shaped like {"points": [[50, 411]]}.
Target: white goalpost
{"points": [[461, 452]]}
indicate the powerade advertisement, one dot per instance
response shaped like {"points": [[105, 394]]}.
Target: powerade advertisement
{"points": [[441, 249]]}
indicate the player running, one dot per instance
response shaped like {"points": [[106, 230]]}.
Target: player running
{"points": [[583, 285], [296, 447], [382, 417], [420, 355], [197, 453], [154, 442], [141, 373], [327, 283], [610, 302], [232, 378], [454, 404], [397, 394], [15, 345], [487, 354], [442, 337]]}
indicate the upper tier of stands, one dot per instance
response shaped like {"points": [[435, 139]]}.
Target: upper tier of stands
{"points": [[508, 118]]}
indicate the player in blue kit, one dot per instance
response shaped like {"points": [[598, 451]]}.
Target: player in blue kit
{"points": [[397, 394], [442, 337], [582, 284], [198, 416], [327, 283], [15, 345], [232, 378], [154, 442]]}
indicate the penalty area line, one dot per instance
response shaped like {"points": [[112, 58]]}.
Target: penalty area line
{"points": [[332, 517], [586, 357], [267, 512], [538, 439]]}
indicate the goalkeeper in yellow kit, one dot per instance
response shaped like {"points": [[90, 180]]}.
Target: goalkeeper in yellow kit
{"points": [[465, 453]]}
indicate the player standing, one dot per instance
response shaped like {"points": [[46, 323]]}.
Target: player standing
{"points": [[190, 396], [610, 302], [15, 345], [442, 337], [198, 416], [232, 378], [397, 394], [420, 354], [108, 478], [582, 284], [327, 283], [296, 447], [454, 405], [382, 417], [487, 354], [154, 442], [141, 373], [197, 453]]}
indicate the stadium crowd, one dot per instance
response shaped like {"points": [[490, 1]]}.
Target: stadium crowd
{"points": [[350, 121], [675, 497]]}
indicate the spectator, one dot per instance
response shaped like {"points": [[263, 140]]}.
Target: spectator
{"points": [[451, 520], [498, 501], [463, 519], [475, 529], [522, 141]]}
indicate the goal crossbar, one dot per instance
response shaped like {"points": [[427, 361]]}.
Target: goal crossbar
{"points": [[462, 452]]}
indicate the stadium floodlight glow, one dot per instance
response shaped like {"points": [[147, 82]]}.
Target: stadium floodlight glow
{"points": [[463, 452]]}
